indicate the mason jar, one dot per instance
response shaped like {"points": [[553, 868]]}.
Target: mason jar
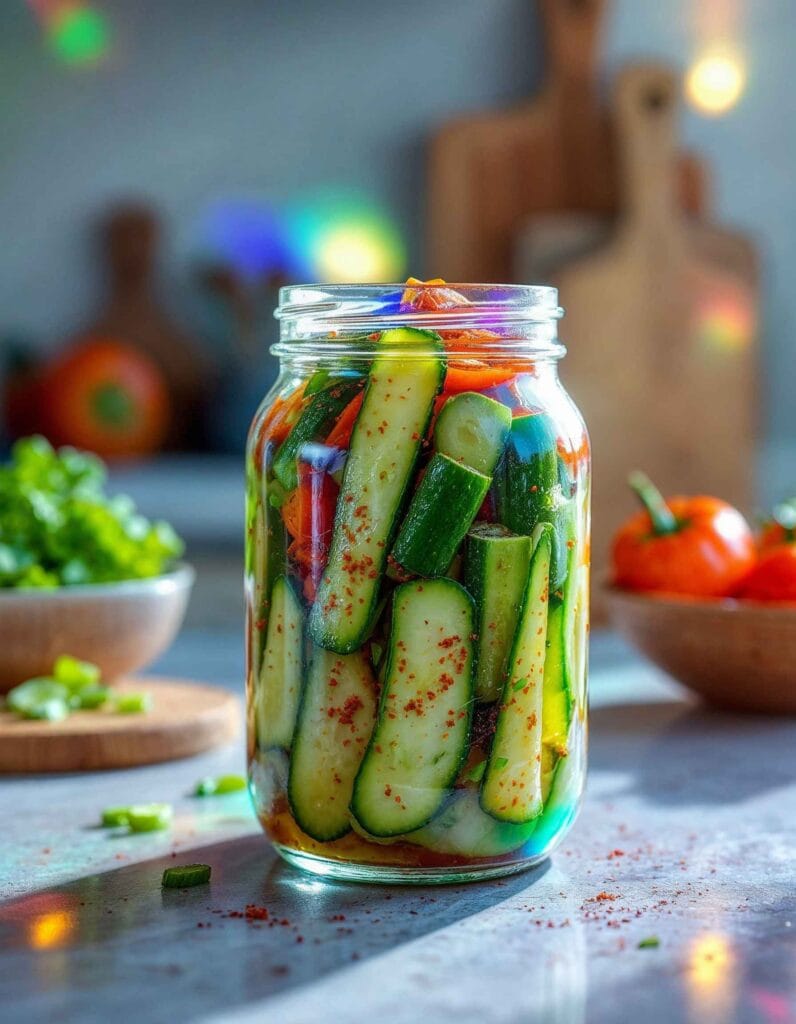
{"points": [[417, 578]]}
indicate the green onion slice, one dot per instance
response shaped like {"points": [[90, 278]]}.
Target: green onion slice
{"points": [[74, 673], [113, 817], [133, 703], [35, 692], [219, 785], [89, 698], [149, 817], [183, 876]]}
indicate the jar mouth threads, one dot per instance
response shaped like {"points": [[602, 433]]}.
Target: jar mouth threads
{"points": [[501, 320]]}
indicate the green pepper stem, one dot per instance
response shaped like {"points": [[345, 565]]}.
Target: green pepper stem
{"points": [[663, 519]]}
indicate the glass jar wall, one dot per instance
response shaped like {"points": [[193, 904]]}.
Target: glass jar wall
{"points": [[417, 584]]}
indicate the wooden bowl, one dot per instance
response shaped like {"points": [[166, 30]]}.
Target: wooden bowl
{"points": [[735, 654], [119, 626]]}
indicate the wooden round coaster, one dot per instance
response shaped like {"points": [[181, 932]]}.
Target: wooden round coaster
{"points": [[186, 718]]}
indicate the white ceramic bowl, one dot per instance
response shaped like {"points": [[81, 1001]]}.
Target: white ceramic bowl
{"points": [[121, 627]]}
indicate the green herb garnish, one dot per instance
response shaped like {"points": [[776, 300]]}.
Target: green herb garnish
{"points": [[520, 684], [476, 773], [60, 528], [501, 762], [650, 943]]}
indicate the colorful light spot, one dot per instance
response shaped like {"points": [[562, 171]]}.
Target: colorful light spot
{"points": [[347, 238], [78, 34], [726, 322], [711, 978], [248, 235], [46, 931], [715, 82]]}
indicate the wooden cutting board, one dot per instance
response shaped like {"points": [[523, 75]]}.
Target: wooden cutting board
{"points": [[556, 152], [186, 718], [660, 329]]}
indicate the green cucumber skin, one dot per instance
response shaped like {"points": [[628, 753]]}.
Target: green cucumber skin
{"points": [[322, 379], [370, 783], [268, 563], [313, 424], [462, 828], [473, 429], [495, 573], [528, 487], [441, 512], [271, 678], [325, 750], [368, 458], [557, 696], [525, 663]]}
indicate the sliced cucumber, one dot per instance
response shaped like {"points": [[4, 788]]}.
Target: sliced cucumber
{"points": [[423, 724], [266, 554], [399, 400], [335, 720], [512, 787], [495, 573], [557, 688], [440, 514], [472, 429], [563, 665], [528, 487], [279, 683], [463, 829], [315, 422]]}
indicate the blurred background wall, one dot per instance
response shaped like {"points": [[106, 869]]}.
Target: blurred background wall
{"points": [[196, 101]]}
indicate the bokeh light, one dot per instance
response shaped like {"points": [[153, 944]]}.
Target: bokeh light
{"points": [[711, 978], [52, 929], [346, 238], [726, 322], [715, 82], [77, 33], [250, 236]]}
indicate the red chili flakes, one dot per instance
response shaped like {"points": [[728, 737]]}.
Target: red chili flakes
{"points": [[255, 913], [603, 897], [616, 853]]}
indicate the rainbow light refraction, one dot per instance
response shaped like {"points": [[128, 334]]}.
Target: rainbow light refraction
{"points": [[346, 238]]}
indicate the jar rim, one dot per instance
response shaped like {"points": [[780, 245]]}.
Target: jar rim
{"points": [[529, 302], [508, 318]]}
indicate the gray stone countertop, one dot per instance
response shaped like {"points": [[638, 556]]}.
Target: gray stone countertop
{"points": [[687, 838]]}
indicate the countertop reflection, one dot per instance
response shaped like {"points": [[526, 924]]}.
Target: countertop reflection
{"points": [[672, 900]]}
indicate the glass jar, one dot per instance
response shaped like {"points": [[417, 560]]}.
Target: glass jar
{"points": [[417, 584]]}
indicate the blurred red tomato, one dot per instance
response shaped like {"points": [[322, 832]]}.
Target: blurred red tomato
{"points": [[107, 397], [774, 576]]}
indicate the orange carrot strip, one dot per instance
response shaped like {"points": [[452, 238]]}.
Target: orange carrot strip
{"points": [[340, 435], [458, 379]]}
